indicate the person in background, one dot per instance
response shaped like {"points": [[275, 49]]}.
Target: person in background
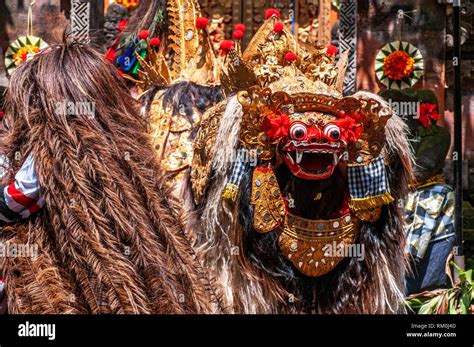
{"points": [[429, 206]]}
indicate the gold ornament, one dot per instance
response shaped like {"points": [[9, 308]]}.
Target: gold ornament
{"points": [[315, 247], [204, 149], [269, 205], [192, 57], [370, 215]]}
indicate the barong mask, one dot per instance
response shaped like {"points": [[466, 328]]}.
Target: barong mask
{"points": [[296, 116]]}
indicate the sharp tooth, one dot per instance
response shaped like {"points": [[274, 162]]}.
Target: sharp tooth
{"points": [[335, 158], [299, 157]]}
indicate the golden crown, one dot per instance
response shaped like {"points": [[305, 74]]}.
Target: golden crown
{"points": [[188, 54], [274, 59]]}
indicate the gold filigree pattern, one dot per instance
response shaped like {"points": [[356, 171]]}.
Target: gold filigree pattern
{"points": [[160, 121], [187, 56], [204, 149], [171, 136], [254, 106], [372, 139], [182, 37], [269, 205], [370, 215], [237, 75], [153, 70], [315, 247]]}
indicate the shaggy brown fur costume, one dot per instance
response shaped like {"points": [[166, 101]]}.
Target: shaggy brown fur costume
{"points": [[109, 239]]}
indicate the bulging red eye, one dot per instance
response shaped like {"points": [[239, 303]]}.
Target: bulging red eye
{"points": [[298, 132], [332, 131]]}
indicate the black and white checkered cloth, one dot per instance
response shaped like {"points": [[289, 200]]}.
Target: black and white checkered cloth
{"points": [[429, 217], [241, 164], [368, 180]]}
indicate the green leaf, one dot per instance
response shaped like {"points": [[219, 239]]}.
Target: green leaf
{"points": [[452, 307], [464, 304], [468, 276], [430, 305], [15, 49]]}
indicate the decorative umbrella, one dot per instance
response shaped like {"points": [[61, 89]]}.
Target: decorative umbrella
{"points": [[399, 65], [22, 49]]}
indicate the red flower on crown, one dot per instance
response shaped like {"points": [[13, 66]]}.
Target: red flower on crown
{"points": [[276, 126], [290, 56], [155, 41], [351, 126]]}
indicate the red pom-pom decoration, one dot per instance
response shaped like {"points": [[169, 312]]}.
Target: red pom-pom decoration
{"points": [[122, 24], [238, 34], [202, 22], [226, 46], [290, 56], [110, 55], [155, 41], [240, 26], [143, 34], [272, 12], [331, 50], [278, 27]]}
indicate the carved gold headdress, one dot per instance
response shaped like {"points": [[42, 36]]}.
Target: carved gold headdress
{"points": [[187, 54], [274, 59]]}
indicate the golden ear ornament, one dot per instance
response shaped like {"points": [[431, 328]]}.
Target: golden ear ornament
{"points": [[269, 208]]}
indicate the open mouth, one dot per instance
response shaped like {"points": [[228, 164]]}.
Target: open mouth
{"points": [[311, 161]]}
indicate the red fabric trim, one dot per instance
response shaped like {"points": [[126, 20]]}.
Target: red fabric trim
{"points": [[19, 197]]}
